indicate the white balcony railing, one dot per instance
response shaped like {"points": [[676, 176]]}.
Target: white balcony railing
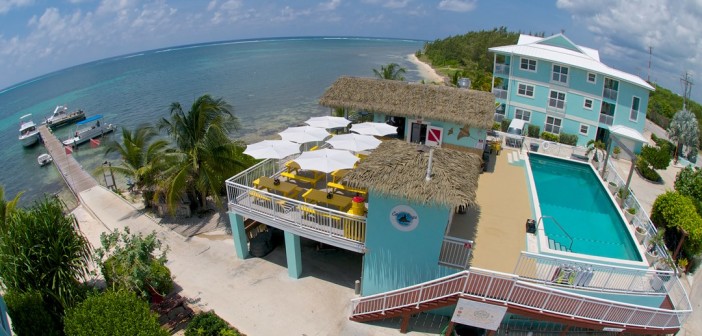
{"points": [[510, 290], [456, 252], [606, 119], [609, 94], [499, 93], [556, 103], [308, 220], [502, 69]]}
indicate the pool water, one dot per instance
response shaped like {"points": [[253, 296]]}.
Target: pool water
{"points": [[571, 193]]}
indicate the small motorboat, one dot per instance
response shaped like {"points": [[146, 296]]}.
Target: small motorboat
{"points": [[91, 128], [61, 117], [29, 134], [44, 159]]}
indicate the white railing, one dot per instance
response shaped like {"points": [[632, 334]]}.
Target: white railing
{"points": [[641, 218], [312, 221], [606, 119], [502, 69], [509, 290], [456, 252], [609, 94], [570, 273], [499, 93]]}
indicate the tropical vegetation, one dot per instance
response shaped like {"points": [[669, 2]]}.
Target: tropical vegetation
{"points": [[112, 313], [598, 147], [467, 55], [678, 215], [663, 104], [392, 71], [30, 316], [684, 130], [688, 182], [130, 262], [43, 251], [209, 324]]}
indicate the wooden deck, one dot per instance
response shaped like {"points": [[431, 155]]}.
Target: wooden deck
{"points": [[76, 177]]}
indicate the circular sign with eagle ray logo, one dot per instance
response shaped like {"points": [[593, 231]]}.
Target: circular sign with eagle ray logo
{"points": [[404, 218]]}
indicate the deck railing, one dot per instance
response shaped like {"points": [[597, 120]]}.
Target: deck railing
{"points": [[502, 69], [499, 93], [609, 94], [606, 119], [548, 270], [456, 252], [509, 290], [309, 220]]}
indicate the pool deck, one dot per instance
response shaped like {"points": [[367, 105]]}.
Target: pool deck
{"points": [[504, 208]]}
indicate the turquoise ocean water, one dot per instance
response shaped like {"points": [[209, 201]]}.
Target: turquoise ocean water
{"points": [[271, 83]]}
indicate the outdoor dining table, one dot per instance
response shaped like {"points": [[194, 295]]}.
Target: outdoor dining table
{"points": [[315, 196], [286, 189], [337, 175]]}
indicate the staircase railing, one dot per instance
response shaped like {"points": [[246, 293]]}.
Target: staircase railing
{"points": [[509, 290], [570, 247]]}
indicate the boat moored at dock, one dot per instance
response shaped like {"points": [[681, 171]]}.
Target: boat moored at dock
{"points": [[90, 128], [61, 117], [29, 135]]}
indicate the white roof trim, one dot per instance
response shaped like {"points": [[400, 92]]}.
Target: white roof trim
{"points": [[584, 60], [627, 132]]}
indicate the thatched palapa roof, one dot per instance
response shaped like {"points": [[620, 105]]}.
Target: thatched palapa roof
{"points": [[397, 168], [401, 99]]}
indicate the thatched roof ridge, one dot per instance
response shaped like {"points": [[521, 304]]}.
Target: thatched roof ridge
{"points": [[402, 99], [397, 168]]}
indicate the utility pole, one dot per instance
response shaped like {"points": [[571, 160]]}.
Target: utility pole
{"points": [[650, 53], [687, 88]]}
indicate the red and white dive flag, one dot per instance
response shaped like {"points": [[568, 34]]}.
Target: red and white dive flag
{"points": [[68, 149], [94, 143]]}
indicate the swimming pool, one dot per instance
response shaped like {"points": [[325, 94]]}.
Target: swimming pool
{"points": [[571, 193]]}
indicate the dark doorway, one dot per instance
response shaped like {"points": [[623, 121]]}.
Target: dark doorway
{"points": [[418, 133], [602, 134], [398, 122]]}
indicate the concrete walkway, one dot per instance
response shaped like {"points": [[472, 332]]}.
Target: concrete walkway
{"points": [[254, 295]]}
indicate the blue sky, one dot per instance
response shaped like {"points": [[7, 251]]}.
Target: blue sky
{"points": [[41, 36]]}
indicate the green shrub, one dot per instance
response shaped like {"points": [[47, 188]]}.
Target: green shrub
{"points": [[645, 170], [112, 313], [160, 278], [533, 131], [689, 183], [504, 124], [676, 212], [209, 324], [568, 139], [549, 136], [657, 157], [29, 314], [496, 126], [663, 143]]}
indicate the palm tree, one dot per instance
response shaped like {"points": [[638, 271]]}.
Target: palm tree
{"points": [[6, 208], [685, 132], [392, 71], [204, 156], [142, 156], [596, 146]]}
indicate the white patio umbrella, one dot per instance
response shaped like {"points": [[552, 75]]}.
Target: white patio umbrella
{"points": [[326, 160], [272, 149], [354, 142], [328, 122], [304, 134], [373, 128]]}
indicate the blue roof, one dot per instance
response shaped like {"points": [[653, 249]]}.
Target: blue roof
{"points": [[93, 118]]}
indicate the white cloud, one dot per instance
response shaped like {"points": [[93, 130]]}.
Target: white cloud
{"points": [[7, 5], [457, 5], [389, 3], [228, 11], [625, 29], [330, 5], [288, 14], [211, 5]]}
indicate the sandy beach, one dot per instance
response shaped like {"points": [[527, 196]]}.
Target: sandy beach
{"points": [[425, 70]]}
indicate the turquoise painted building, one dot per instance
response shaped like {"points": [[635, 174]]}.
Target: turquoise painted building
{"points": [[563, 88]]}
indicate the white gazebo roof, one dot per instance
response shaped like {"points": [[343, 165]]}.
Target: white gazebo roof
{"points": [[627, 132]]}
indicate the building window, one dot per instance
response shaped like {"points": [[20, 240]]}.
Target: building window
{"points": [[525, 90], [557, 100], [588, 104], [528, 64], [500, 113], [634, 114], [560, 74], [522, 114], [553, 125], [591, 77], [584, 129]]}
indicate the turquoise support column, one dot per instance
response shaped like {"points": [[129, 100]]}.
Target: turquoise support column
{"points": [[239, 235], [293, 254]]}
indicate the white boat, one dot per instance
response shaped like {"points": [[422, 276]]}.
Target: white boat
{"points": [[62, 117], [44, 159], [29, 134], [91, 128]]}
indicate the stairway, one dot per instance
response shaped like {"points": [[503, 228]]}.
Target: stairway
{"points": [[515, 158], [554, 245]]}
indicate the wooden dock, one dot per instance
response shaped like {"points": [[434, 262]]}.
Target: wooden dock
{"points": [[77, 179]]}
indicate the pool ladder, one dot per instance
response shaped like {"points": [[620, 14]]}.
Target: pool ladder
{"points": [[556, 245]]}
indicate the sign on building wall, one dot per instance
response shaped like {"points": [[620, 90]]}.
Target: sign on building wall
{"points": [[478, 314], [404, 218], [435, 136]]}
